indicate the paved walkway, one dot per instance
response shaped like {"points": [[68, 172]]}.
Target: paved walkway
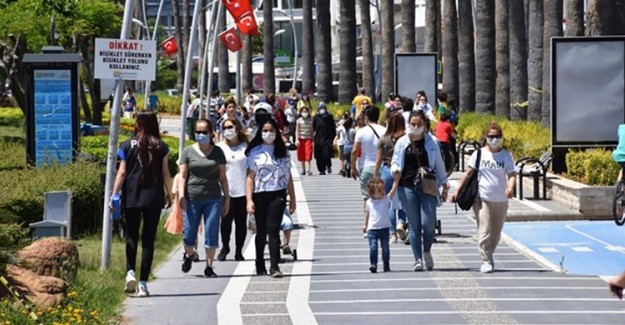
{"points": [[330, 282]]}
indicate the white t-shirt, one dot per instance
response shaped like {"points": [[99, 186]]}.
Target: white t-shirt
{"points": [[368, 144], [378, 213], [272, 174], [236, 167], [493, 173], [340, 131]]}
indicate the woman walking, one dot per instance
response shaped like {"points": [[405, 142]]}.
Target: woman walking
{"points": [[233, 146], [142, 174], [304, 136], [496, 181], [415, 152], [268, 181], [324, 131], [203, 178]]}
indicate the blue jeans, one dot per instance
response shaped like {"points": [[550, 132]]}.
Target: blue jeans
{"points": [[387, 177], [421, 211], [382, 235], [211, 211]]}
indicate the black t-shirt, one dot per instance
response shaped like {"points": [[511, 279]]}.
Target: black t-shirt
{"points": [[412, 164], [137, 193]]}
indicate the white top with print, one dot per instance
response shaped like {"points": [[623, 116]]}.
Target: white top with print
{"points": [[271, 174], [493, 174], [378, 213]]}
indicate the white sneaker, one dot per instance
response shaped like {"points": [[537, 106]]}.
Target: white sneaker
{"points": [[143, 290], [131, 282], [486, 268], [429, 262], [418, 266]]}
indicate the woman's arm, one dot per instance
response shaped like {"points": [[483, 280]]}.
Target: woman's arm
{"points": [[291, 192], [511, 185], [378, 162], [249, 190], [121, 176], [167, 181], [223, 180], [182, 185]]}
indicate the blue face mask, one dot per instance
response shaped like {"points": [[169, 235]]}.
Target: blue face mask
{"points": [[202, 138]]}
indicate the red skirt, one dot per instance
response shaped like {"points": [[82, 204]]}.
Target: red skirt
{"points": [[305, 150]]}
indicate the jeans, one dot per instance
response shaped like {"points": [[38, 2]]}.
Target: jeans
{"points": [[387, 177], [374, 235], [150, 218], [211, 211], [421, 211], [269, 211]]}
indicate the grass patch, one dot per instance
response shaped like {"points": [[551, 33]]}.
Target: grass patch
{"points": [[95, 297]]}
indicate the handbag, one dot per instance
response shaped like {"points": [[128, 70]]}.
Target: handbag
{"points": [[425, 179], [469, 190]]}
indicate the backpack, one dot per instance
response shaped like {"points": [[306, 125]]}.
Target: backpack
{"points": [[453, 116]]}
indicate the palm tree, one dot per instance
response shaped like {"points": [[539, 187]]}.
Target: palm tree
{"points": [[535, 60], [605, 17], [186, 24], [552, 27], [269, 74], [223, 79], [308, 49], [431, 14], [466, 57], [179, 42], [485, 53], [518, 61], [368, 80], [247, 78], [388, 48], [574, 17], [450, 49], [347, 75], [324, 51], [502, 95], [408, 44]]}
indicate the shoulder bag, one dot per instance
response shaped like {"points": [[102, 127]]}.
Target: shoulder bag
{"points": [[468, 191], [425, 179]]}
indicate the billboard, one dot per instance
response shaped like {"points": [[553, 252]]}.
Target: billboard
{"points": [[125, 59], [414, 72]]}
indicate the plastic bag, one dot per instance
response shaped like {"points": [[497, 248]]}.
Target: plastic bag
{"points": [[251, 223]]}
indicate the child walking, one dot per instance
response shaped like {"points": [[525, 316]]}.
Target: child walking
{"points": [[304, 136], [377, 222]]}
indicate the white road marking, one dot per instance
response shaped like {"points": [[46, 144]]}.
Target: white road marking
{"points": [[528, 312], [395, 300], [525, 250], [436, 288], [571, 227], [548, 249], [228, 306], [582, 249], [485, 278]]}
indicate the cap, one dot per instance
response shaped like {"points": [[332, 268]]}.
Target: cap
{"points": [[262, 108], [321, 105]]}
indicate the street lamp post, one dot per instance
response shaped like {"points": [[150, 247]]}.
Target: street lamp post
{"points": [[294, 42]]}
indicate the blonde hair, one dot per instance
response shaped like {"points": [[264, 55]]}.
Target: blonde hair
{"points": [[372, 183]]}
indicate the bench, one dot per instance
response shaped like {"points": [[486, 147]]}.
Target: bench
{"points": [[536, 169], [466, 148]]}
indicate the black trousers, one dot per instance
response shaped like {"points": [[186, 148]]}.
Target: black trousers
{"points": [[238, 214], [150, 218], [269, 210], [323, 156]]}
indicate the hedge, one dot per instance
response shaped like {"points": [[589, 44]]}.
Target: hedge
{"points": [[592, 167], [11, 116]]}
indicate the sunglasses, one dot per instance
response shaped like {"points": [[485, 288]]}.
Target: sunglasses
{"points": [[496, 136], [228, 127], [201, 132]]}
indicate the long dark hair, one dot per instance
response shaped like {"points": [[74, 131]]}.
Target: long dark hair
{"points": [[279, 150], [146, 129]]}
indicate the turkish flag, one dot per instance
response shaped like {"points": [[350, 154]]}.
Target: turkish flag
{"points": [[247, 24], [170, 46], [238, 8], [231, 39]]}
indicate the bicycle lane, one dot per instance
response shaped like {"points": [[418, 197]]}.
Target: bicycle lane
{"points": [[575, 247]]}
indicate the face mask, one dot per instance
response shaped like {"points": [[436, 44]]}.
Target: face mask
{"points": [[304, 114], [202, 138], [322, 111], [494, 142], [422, 105], [230, 134], [269, 137], [415, 131]]}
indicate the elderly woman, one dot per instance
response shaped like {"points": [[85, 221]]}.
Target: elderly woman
{"points": [[416, 150]]}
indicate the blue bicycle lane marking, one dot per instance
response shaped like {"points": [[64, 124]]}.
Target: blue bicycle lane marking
{"points": [[582, 248]]}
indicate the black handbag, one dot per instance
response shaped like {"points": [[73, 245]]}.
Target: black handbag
{"points": [[469, 190]]}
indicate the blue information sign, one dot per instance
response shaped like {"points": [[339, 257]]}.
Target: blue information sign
{"points": [[53, 117]]}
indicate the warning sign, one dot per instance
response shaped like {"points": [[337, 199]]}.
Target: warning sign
{"points": [[125, 59]]}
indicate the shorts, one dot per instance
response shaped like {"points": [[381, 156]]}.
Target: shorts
{"points": [[365, 176], [305, 150]]}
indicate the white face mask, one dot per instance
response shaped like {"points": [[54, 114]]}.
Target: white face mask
{"points": [[322, 111], [304, 114], [269, 137], [230, 134], [415, 131], [494, 142], [423, 105]]}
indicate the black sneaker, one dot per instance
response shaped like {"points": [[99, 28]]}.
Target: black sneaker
{"points": [[322, 173], [209, 273], [186, 265], [329, 170], [239, 257], [387, 268], [222, 255], [275, 273], [373, 269]]}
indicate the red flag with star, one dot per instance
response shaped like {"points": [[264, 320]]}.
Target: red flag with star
{"points": [[170, 46], [238, 8], [231, 39], [247, 24]]}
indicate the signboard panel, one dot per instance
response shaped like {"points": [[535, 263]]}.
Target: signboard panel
{"points": [[53, 119], [125, 59], [414, 72]]}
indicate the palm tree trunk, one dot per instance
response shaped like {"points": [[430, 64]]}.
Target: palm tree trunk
{"points": [[308, 50], [553, 27], [179, 42], [368, 79], [502, 95], [485, 53], [574, 17], [466, 57], [347, 75], [247, 77], [269, 74], [223, 80], [535, 60], [450, 49], [186, 23], [388, 48], [518, 61], [324, 51], [408, 43], [431, 31], [605, 17]]}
